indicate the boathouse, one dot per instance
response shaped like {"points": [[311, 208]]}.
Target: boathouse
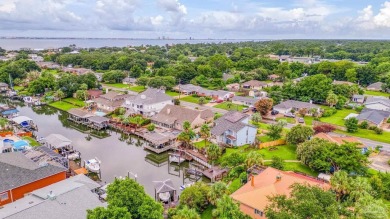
{"points": [[98, 122], [159, 142], [79, 116]]}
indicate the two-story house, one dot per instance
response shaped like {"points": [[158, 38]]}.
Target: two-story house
{"points": [[147, 103], [234, 129], [110, 101]]}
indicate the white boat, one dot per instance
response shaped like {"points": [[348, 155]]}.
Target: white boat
{"points": [[176, 159], [182, 187], [164, 196], [93, 165], [73, 156], [28, 99]]}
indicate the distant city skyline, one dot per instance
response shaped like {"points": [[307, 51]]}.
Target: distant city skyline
{"points": [[182, 19]]}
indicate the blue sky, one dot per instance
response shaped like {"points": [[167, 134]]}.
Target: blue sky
{"points": [[244, 19]]}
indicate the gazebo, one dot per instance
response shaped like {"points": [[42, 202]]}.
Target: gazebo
{"points": [[164, 191]]}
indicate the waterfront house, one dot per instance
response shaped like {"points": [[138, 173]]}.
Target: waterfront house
{"points": [[148, 103], [110, 101], [98, 122], [70, 198], [377, 86], [234, 129], [3, 87], [79, 115], [289, 105], [19, 176], [129, 81], [378, 103], [173, 117], [93, 94], [356, 98], [246, 101], [373, 117], [254, 85], [253, 196]]}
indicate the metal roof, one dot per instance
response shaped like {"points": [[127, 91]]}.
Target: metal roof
{"points": [[57, 141]]}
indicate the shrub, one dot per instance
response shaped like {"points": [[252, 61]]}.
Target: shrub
{"points": [[324, 128], [372, 127], [388, 162], [363, 125], [352, 125], [277, 163], [145, 122], [378, 131], [348, 107], [329, 112], [359, 108]]}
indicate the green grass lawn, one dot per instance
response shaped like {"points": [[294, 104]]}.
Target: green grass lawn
{"points": [[338, 117], [233, 106], [264, 138], [138, 89], [286, 152], [18, 88], [31, 141], [208, 213], [234, 185], [192, 99], [172, 93], [369, 134], [288, 119], [308, 120], [299, 167], [376, 93], [200, 144], [118, 85], [74, 101], [65, 106]]}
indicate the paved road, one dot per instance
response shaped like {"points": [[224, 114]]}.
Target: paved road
{"points": [[193, 105], [370, 143]]}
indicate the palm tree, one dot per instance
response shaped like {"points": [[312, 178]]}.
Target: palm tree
{"points": [[341, 184], [59, 94], [187, 134], [186, 213], [3, 123], [253, 158], [217, 191], [205, 133], [213, 152]]}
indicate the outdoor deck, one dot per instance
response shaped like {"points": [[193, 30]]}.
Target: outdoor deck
{"points": [[159, 150]]}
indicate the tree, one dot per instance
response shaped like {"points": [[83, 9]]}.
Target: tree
{"points": [[186, 213], [256, 117], [303, 112], [187, 134], [108, 213], [253, 158], [351, 75], [264, 106], [176, 101], [304, 202], [151, 127], [59, 94], [314, 87], [325, 128], [341, 184], [3, 123], [82, 94], [216, 192], [213, 152], [205, 133], [277, 163], [151, 209], [201, 100], [299, 134], [226, 208], [351, 124], [331, 99], [195, 196], [275, 131]]}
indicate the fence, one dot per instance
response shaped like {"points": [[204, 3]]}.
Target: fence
{"points": [[272, 143]]}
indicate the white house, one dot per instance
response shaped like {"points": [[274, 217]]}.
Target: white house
{"points": [[289, 105], [378, 103], [358, 98], [147, 103], [110, 101], [234, 129]]}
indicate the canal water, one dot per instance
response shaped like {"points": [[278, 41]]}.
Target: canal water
{"points": [[118, 153]]}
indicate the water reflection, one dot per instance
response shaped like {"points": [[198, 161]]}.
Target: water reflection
{"points": [[120, 153]]}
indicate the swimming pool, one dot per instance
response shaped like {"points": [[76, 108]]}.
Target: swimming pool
{"points": [[99, 113]]}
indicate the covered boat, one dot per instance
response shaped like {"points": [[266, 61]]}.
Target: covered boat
{"points": [[23, 121], [62, 145], [93, 165]]}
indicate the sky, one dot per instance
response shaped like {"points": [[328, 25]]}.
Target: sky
{"points": [[199, 19]]}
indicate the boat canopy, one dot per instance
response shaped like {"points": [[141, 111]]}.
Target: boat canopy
{"points": [[57, 141], [21, 119], [9, 112]]}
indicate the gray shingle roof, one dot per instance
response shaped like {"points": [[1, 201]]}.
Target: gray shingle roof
{"points": [[250, 100], [79, 113], [376, 86], [17, 170], [171, 114], [374, 116], [57, 140], [73, 197], [295, 104], [254, 83], [150, 96], [98, 119], [230, 121], [381, 100]]}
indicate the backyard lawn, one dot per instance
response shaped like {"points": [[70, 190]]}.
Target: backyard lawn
{"points": [[74, 101], [31, 141], [172, 93], [299, 167], [338, 117], [369, 134], [201, 144], [233, 106], [286, 152], [18, 88], [65, 106], [376, 93], [118, 85], [287, 119], [207, 214], [137, 89], [308, 120], [192, 99]]}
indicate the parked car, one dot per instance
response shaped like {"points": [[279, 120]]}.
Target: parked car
{"points": [[301, 120], [254, 109], [274, 112], [219, 101], [245, 110], [291, 115]]}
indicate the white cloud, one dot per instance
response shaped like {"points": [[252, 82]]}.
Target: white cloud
{"points": [[173, 6], [383, 18], [158, 20]]}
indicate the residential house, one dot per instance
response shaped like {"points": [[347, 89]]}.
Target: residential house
{"points": [[337, 139], [110, 101], [221, 95], [374, 117], [48, 65], [129, 81], [19, 176], [172, 116], [77, 71], [234, 129], [377, 103], [70, 198], [254, 85], [148, 103], [377, 86], [233, 87], [35, 57], [3, 87], [188, 89], [93, 94], [358, 98], [273, 77], [246, 101], [289, 105], [253, 196]]}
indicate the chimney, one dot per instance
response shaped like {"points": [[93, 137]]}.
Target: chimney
{"points": [[252, 181], [168, 111], [278, 177]]}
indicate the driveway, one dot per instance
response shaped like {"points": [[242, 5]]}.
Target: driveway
{"points": [[379, 161]]}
